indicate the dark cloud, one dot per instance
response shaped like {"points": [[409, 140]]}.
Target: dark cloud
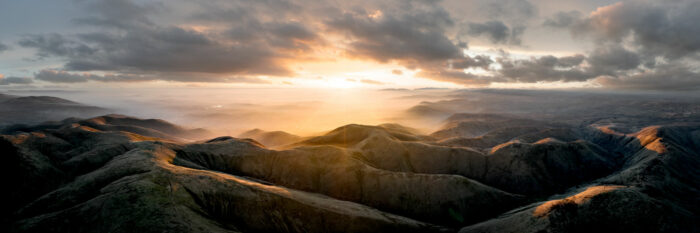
{"points": [[662, 77], [605, 61], [3, 47], [612, 60], [127, 41], [235, 41], [570, 61], [156, 49], [458, 77], [515, 11], [123, 14], [507, 21], [545, 68], [60, 76], [563, 19], [466, 62], [56, 45], [279, 37], [15, 80], [667, 28], [497, 32], [414, 34], [641, 44]]}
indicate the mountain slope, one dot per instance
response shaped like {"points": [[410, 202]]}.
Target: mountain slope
{"points": [[271, 138], [120, 174]]}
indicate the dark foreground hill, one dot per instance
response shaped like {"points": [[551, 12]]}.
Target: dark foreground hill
{"points": [[480, 173]]}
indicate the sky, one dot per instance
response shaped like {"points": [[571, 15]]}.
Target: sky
{"points": [[630, 45]]}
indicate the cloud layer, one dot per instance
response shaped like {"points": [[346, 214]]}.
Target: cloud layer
{"points": [[638, 44], [14, 80]]}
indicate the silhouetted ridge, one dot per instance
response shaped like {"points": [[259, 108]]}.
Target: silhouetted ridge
{"points": [[44, 100]]}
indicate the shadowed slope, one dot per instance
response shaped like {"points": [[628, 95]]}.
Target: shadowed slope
{"points": [[655, 191], [138, 188], [116, 174], [524, 168], [445, 199]]}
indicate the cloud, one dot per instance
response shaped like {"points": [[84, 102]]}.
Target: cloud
{"points": [[466, 62], [666, 29], [506, 21], [515, 11], [169, 49], [60, 76], [251, 80], [570, 61], [640, 44], [14, 80], [563, 19], [3, 47], [611, 60], [133, 43], [237, 41], [372, 82], [458, 77], [55, 76], [546, 68], [55, 45], [663, 77], [497, 32], [415, 34]]}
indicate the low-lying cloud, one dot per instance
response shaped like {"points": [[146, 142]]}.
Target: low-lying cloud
{"points": [[15, 80]]}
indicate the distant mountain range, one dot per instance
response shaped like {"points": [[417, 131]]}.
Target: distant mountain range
{"points": [[37, 109]]}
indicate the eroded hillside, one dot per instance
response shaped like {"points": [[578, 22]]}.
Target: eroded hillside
{"points": [[479, 173]]}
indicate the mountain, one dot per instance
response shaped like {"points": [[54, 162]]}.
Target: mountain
{"points": [[478, 173], [4, 97], [30, 110], [271, 138], [114, 122]]}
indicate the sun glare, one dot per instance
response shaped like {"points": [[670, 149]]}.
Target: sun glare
{"points": [[342, 83]]}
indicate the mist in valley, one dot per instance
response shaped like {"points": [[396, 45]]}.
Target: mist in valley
{"points": [[308, 112]]}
